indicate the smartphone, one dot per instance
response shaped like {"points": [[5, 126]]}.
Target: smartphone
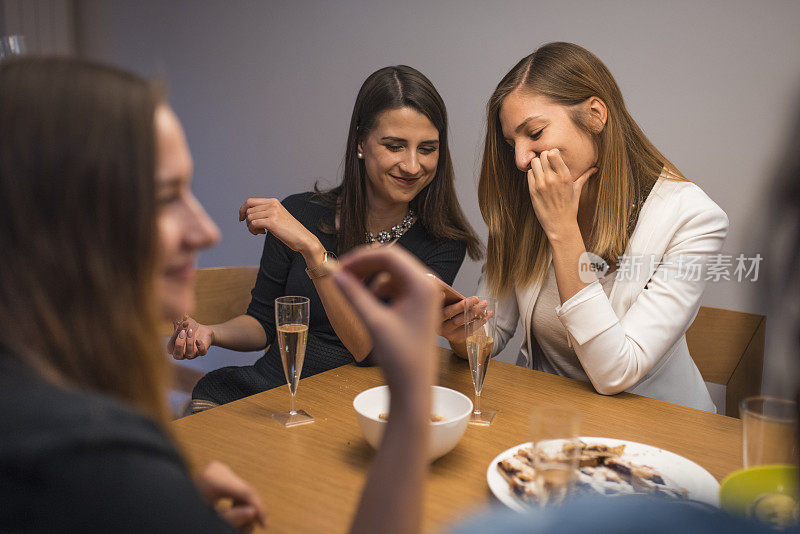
{"points": [[451, 296]]}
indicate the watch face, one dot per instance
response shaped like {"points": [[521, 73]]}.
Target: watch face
{"points": [[330, 262]]}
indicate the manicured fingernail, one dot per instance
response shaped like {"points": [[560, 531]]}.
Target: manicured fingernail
{"points": [[191, 332], [182, 334]]}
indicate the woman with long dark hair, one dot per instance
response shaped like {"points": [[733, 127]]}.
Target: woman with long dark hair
{"points": [[397, 188], [570, 182]]}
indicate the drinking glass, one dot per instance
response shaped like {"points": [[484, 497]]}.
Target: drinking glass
{"points": [[769, 431], [11, 45], [555, 433], [479, 325], [291, 323]]}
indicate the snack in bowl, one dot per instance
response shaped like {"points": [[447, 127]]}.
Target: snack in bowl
{"points": [[434, 417], [452, 407], [602, 469]]}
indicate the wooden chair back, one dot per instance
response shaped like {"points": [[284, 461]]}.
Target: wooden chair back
{"points": [[728, 348], [222, 293]]}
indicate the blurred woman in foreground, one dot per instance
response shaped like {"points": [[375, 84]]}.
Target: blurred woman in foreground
{"points": [[98, 239]]}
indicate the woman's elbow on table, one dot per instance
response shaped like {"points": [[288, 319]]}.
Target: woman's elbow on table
{"points": [[611, 383], [607, 390]]}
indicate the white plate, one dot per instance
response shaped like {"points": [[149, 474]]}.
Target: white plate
{"points": [[699, 483]]}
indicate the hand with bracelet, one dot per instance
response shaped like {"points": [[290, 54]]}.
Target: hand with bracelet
{"points": [[268, 214], [192, 339], [264, 215]]}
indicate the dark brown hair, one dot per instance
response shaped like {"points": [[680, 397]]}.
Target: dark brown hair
{"points": [[628, 166], [77, 228], [436, 206]]}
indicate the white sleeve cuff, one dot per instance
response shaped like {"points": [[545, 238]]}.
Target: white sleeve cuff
{"points": [[587, 314]]}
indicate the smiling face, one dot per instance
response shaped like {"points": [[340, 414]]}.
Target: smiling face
{"points": [[183, 226], [401, 153], [532, 123]]}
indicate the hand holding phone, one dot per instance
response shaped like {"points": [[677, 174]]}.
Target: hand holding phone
{"points": [[451, 296]]}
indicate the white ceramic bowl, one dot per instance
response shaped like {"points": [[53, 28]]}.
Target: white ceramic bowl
{"points": [[453, 406]]}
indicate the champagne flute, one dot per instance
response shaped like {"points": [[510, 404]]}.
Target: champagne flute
{"points": [[479, 327], [556, 451], [291, 322]]}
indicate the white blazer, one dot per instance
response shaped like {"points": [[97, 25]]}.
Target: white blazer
{"points": [[634, 339]]}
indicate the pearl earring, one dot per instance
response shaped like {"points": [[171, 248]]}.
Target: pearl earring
{"points": [[360, 155]]}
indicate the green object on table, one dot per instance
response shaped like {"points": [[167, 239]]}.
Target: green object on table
{"points": [[765, 492]]}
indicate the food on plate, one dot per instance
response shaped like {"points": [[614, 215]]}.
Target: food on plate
{"points": [[594, 455], [434, 417], [601, 469]]}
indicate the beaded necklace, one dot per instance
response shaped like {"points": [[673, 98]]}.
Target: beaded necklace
{"points": [[394, 232]]}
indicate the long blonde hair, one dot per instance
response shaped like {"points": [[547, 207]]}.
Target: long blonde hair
{"points": [[78, 228], [628, 165]]}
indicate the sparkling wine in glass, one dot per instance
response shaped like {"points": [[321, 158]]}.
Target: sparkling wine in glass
{"points": [[479, 329], [291, 323], [556, 450]]}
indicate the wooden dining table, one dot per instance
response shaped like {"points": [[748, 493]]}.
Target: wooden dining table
{"points": [[311, 476]]}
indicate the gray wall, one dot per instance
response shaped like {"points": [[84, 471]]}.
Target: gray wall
{"points": [[265, 89]]}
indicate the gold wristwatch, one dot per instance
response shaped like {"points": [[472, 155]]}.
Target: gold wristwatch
{"points": [[323, 269]]}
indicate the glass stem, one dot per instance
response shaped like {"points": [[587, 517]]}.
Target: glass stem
{"points": [[477, 402], [292, 408]]}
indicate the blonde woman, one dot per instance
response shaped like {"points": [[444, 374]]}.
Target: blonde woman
{"points": [[566, 172]]}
